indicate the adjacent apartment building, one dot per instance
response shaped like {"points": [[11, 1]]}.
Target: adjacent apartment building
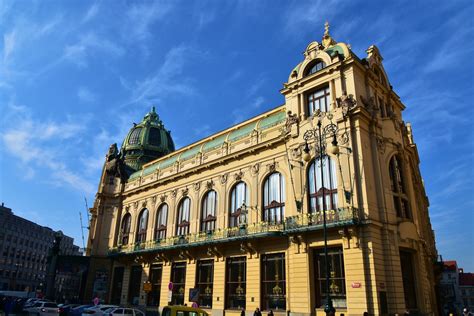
{"points": [[236, 220], [24, 249]]}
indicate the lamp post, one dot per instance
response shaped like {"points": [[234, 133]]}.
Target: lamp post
{"points": [[319, 135]]}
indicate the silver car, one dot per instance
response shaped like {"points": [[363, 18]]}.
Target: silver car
{"points": [[120, 311], [43, 309]]}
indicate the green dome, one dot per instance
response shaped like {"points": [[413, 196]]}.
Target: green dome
{"points": [[146, 141]]}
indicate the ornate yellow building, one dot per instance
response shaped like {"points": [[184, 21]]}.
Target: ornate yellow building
{"points": [[236, 220]]}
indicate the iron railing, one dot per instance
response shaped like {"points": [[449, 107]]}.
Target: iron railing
{"points": [[301, 222]]}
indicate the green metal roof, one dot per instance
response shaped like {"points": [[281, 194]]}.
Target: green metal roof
{"points": [[168, 162], [190, 153], [242, 132], [215, 143], [272, 120], [332, 50]]}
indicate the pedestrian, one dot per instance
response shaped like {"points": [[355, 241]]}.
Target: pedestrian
{"points": [[242, 313], [257, 312], [270, 313], [466, 312], [96, 300]]}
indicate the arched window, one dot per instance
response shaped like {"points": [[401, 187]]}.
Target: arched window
{"points": [[274, 198], [208, 211], [125, 229], [400, 199], [315, 67], [238, 196], [142, 226], [161, 218], [135, 136], [182, 227], [316, 191]]}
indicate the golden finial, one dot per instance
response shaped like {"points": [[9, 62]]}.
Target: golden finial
{"points": [[326, 28], [327, 39]]}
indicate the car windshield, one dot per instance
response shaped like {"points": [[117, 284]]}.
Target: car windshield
{"points": [[37, 304], [50, 305]]}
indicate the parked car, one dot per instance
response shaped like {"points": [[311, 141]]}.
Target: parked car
{"points": [[179, 310], [33, 302], [96, 310], [43, 309], [115, 311], [77, 311], [65, 308]]}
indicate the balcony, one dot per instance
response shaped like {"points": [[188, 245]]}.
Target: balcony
{"points": [[293, 224]]}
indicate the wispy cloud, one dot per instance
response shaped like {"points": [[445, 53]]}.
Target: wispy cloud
{"points": [[88, 46], [91, 12], [40, 144], [141, 17], [85, 95]]}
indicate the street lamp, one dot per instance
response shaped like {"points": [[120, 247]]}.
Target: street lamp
{"points": [[320, 135]]}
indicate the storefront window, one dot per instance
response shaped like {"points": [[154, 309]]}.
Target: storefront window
{"points": [[236, 282], [273, 282], [337, 280], [178, 277], [155, 280], [205, 277]]}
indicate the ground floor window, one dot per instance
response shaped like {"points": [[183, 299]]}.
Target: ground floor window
{"points": [[205, 278], [134, 285], [178, 277], [117, 285], [236, 282], [273, 282], [155, 280], [408, 276], [337, 281]]}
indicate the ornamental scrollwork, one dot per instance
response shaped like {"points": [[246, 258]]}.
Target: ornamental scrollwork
{"points": [[223, 178], [163, 198], [291, 119], [346, 102], [255, 168], [185, 192], [197, 186], [209, 184], [238, 176]]}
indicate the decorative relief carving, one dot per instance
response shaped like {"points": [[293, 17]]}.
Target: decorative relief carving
{"points": [[381, 144], [174, 193], [296, 152], [153, 199], [291, 119], [223, 178], [197, 186], [271, 167], [346, 102], [127, 208], [163, 198], [209, 184], [135, 204], [144, 203], [185, 192], [238, 176], [255, 168]]}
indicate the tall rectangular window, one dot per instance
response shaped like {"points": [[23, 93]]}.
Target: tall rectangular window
{"points": [[236, 276], [408, 277], [204, 282], [178, 277], [273, 282], [134, 285], [337, 280], [155, 280], [319, 100]]}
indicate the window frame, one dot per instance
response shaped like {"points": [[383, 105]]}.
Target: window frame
{"points": [[177, 297], [125, 231], [334, 253], [274, 211], [311, 99], [234, 207], [183, 217], [204, 285], [313, 68], [315, 196], [142, 229], [267, 280], [208, 212], [397, 174], [241, 264], [160, 223]]}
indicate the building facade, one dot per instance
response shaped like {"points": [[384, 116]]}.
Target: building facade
{"points": [[24, 249], [236, 220]]}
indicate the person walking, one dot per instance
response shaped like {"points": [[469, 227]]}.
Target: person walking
{"points": [[257, 312]]}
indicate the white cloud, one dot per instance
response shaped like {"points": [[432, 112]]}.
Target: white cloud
{"points": [[43, 145], [8, 45], [85, 95], [91, 13], [258, 102], [88, 46], [141, 16]]}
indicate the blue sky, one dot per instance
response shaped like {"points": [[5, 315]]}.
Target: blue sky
{"points": [[74, 75]]}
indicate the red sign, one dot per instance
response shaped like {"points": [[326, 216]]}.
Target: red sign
{"points": [[170, 286], [356, 285]]}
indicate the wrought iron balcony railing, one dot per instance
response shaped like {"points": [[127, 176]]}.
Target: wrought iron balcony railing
{"points": [[292, 224]]}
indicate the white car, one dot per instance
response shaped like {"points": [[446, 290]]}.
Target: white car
{"points": [[123, 312], [43, 309], [96, 310]]}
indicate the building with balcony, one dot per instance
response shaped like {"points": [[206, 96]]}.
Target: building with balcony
{"points": [[236, 220]]}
